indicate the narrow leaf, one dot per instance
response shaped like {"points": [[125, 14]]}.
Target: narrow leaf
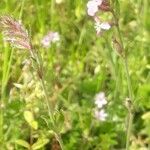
{"points": [[23, 143], [40, 143]]}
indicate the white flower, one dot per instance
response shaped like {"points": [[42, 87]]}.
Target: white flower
{"points": [[100, 114], [101, 26], [92, 6], [100, 100], [56, 37], [51, 37]]}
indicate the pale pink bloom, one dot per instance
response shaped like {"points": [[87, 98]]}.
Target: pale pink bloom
{"points": [[100, 100], [100, 115], [51, 37], [92, 6], [99, 26]]}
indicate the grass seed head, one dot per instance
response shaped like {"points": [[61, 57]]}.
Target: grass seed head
{"points": [[15, 33]]}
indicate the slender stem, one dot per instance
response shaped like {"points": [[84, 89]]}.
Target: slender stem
{"points": [[21, 10], [47, 102], [1, 125], [52, 10], [129, 129], [59, 139], [128, 79], [5, 76], [130, 113], [39, 64], [31, 138]]}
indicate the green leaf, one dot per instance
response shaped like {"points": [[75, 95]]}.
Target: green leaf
{"points": [[28, 116], [23, 143], [34, 125], [40, 143], [146, 116], [30, 119]]}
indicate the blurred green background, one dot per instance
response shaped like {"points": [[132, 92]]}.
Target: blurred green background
{"points": [[81, 65]]}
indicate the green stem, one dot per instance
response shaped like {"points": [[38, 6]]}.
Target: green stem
{"points": [[128, 79], [130, 113], [52, 10], [1, 125], [47, 102], [129, 129], [59, 139], [21, 10], [39, 64], [8, 56]]}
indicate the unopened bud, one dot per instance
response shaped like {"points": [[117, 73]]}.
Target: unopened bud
{"points": [[117, 46], [105, 6]]}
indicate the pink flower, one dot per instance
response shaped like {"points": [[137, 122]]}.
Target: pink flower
{"points": [[100, 115], [100, 100], [99, 26], [51, 37], [92, 6]]}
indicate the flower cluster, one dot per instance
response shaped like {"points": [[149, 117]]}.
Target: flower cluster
{"points": [[93, 6], [100, 102], [51, 37]]}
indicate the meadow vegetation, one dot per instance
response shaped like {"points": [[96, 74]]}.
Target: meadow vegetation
{"points": [[65, 85]]}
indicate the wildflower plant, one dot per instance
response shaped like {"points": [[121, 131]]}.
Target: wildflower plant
{"points": [[104, 6], [68, 77]]}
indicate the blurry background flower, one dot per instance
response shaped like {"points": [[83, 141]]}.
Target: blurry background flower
{"points": [[51, 37], [100, 100], [100, 114]]}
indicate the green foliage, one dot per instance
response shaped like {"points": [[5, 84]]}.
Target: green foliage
{"points": [[81, 65]]}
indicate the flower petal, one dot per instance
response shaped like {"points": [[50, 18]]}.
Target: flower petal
{"points": [[92, 8], [105, 26]]}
